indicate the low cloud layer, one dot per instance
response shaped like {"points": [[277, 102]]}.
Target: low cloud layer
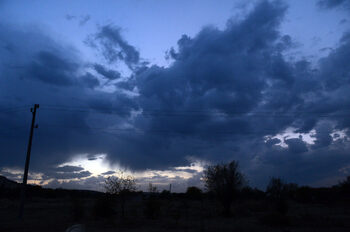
{"points": [[226, 95]]}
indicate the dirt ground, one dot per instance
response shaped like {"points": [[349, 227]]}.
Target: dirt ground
{"points": [[170, 215]]}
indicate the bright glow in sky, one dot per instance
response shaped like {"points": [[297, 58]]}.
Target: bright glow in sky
{"points": [[96, 164]]}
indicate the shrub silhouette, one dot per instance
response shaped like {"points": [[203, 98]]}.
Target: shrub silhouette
{"points": [[224, 181], [152, 204], [152, 189], [276, 188], [165, 194], [277, 191], [345, 185], [194, 193]]}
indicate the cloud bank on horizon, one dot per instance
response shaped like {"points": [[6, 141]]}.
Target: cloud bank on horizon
{"points": [[228, 94]]}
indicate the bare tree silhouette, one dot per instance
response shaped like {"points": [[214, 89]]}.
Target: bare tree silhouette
{"points": [[120, 186]]}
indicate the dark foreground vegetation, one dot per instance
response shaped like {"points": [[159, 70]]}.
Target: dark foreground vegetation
{"points": [[282, 207]]}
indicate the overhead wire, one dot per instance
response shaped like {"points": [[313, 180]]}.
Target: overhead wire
{"points": [[13, 109], [192, 113], [148, 112]]}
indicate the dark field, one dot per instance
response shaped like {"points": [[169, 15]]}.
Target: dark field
{"points": [[308, 210]]}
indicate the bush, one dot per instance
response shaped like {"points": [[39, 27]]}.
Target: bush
{"points": [[194, 193], [165, 194]]}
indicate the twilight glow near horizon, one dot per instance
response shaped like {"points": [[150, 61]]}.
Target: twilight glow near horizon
{"points": [[160, 89]]}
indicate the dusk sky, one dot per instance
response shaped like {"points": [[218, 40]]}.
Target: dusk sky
{"points": [[159, 89]]}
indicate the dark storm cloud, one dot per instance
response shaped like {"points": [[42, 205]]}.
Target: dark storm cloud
{"points": [[273, 141], [343, 21], [113, 46], [296, 145], [39, 70], [224, 92], [89, 81], [70, 17], [59, 70], [301, 167], [323, 135], [226, 89], [52, 68], [217, 78], [108, 173], [90, 183], [82, 19], [334, 3], [66, 175], [68, 168], [106, 73], [65, 172]]}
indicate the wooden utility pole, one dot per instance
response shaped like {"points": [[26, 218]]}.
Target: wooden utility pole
{"points": [[26, 167]]}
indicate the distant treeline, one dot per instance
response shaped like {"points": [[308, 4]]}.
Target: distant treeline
{"points": [[38, 191], [303, 194]]}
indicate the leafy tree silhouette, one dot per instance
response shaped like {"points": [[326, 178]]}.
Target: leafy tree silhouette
{"points": [[225, 181]]}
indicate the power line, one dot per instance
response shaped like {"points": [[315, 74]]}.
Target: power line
{"points": [[197, 113], [155, 131], [14, 109], [180, 113]]}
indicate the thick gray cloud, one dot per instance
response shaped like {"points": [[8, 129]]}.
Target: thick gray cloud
{"points": [[334, 3], [223, 93]]}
